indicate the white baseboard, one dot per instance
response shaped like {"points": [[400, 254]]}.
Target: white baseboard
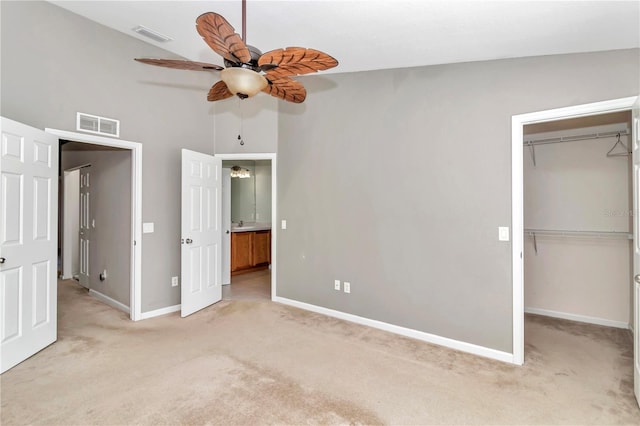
{"points": [[109, 301], [158, 312], [408, 332], [578, 318]]}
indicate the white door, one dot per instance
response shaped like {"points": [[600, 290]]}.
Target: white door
{"points": [[71, 225], [85, 225], [226, 226], [635, 148], [201, 252], [28, 241]]}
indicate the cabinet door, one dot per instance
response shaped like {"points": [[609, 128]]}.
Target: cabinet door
{"points": [[241, 250], [261, 247]]}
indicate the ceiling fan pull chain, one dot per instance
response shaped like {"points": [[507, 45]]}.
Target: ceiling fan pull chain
{"points": [[241, 122]]}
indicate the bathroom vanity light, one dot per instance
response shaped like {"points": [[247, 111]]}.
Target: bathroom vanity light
{"points": [[239, 172]]}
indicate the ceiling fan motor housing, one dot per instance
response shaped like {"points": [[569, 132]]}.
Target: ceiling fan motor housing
{"points": [[252, 64]]}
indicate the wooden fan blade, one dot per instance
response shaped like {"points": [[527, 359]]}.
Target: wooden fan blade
{"points": [[180, 64], [221, 37], [218, 92], [296, 61], [287, 89]]}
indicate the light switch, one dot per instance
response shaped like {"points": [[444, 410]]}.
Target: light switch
{"points": [[147, 227], [503, 233], [284, 224]]}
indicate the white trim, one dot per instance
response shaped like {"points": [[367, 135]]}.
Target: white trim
{"points": [[578, 318], [136, 206], [403, 331], [109, 301], [517, 197], [161, 311], [274, 204]]}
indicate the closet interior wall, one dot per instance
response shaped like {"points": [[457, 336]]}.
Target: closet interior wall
{"points": [[575, 186]]}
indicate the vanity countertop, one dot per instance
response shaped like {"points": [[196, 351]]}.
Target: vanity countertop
{"points": [[251, 226]]}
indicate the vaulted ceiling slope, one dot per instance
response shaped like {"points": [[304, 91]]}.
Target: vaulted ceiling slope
{"points": [[371, 34]]}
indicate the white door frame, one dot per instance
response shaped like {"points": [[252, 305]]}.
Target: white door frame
{"points": [[517, 197], [135, 306], [274, 199]]}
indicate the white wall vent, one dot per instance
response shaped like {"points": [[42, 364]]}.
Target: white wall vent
{"points": [[98, 125], [153, 35]]}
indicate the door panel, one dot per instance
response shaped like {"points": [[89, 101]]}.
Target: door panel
{"points": [[201, 270], [28, 241], [85, 225], [635, 149], [226, 226]]}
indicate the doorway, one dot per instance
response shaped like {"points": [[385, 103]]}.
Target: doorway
{"points": [[578, 219], [134, 150], [257, 211], [518, 126], [103, 231]]}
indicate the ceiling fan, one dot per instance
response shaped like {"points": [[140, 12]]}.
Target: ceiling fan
{"points": [[248, 71]]}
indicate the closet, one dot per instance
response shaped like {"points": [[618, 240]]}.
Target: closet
{"points": [[578, 219]]}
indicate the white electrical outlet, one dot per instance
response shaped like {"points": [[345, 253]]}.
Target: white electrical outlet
{"points": [[503, 233], [347, 287], [336, 285], [174, 281], [284, 224]]}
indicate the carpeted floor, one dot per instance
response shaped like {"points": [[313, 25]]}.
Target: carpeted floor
{"points": [[251, 362]]}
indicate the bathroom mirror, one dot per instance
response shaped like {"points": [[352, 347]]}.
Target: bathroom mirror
{"points": [[251, 196]]}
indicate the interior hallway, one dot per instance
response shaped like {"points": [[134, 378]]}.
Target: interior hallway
{"points": [[258, 362]]}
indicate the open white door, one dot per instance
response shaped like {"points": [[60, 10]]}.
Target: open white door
{"points": [[28, 241], [201, 231], [635, 148], [226, 226], [85, 224], [71, 225]]}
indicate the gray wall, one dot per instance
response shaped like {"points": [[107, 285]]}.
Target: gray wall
{"points": [[55, 63], [110, 207], [263, 191], [256, 119], [397, 181]]}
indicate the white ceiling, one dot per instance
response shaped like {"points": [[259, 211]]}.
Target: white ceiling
{"points": [[372, 34]]}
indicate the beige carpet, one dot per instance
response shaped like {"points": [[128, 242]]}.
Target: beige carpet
{"points": [[255, 362]]}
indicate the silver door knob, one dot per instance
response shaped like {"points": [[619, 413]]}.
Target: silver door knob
{"points": [[2, 259], [189, 241], [637, 278]]}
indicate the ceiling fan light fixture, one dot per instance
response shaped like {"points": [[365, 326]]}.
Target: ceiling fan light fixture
{"points": [[240, 172], [243, 82]]}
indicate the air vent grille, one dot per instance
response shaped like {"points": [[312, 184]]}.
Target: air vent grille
{"points": [[153, 35], [98, 125]]}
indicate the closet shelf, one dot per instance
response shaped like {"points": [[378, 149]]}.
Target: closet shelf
{"points": [[534, 233], [568, 233], [531, 143]]}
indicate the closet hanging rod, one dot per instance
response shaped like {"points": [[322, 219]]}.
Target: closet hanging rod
{"points": [[569, 233], [532, 142]]}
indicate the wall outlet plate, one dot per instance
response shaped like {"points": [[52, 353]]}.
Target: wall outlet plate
{"points": [[174, 281], [336, 285], [347, 287]]}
